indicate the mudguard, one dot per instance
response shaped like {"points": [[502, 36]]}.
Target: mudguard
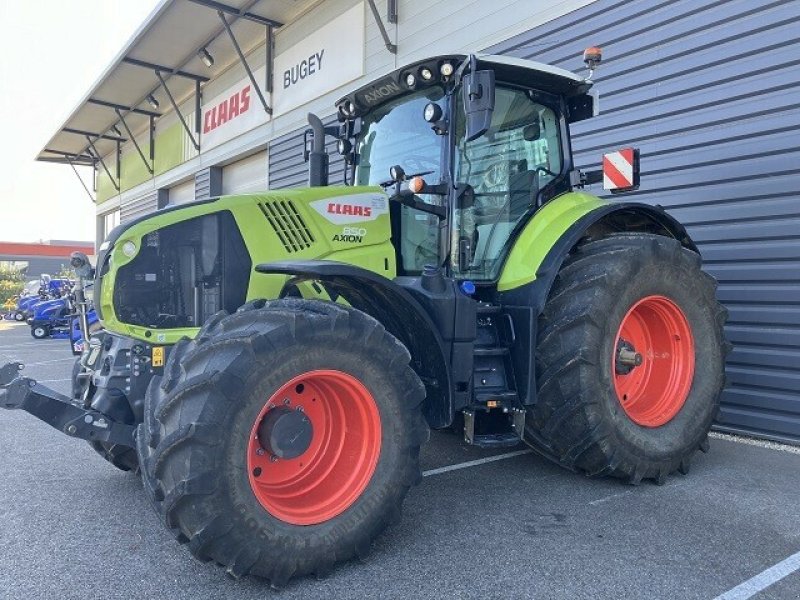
{"points": [[542, 245], [397, 310]]}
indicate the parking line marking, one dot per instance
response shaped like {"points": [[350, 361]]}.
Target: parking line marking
{"points": [[474, 463], [759, 443], [763, 580], [47, 362]]}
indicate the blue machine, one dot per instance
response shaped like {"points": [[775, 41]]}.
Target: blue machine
{"points": [[49, 289], [75, 335], [51, 318]]}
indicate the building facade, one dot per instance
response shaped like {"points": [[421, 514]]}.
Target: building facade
{"points": [[705, 89]]}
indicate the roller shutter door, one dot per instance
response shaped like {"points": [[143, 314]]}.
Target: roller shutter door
{"points": [[182, 193], [246, 175], [707, 91]]}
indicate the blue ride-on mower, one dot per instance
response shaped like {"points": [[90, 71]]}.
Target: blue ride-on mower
{"points": [[51, 318]]}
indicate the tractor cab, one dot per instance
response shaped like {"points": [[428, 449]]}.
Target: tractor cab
{"points": [[468, 147]]}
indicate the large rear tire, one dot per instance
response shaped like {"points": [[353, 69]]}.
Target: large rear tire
{"points": [[230, 484], [629, 359]]}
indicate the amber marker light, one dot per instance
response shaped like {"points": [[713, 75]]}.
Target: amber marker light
{"points": [[416, 185]]}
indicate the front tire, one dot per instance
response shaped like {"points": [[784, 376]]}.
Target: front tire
{"points": [[40, 332], [629, 359], [270, 509]]}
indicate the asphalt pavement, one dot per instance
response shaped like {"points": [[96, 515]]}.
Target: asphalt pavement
{"points": [[72, 526]]}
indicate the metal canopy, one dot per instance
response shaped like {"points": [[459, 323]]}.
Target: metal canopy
{"points": [[161, 60]]}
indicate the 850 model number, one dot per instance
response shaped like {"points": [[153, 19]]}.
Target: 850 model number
{"points": [[354, 235]]}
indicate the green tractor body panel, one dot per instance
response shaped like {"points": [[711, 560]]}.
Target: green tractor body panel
{"points": [[541, 233], [344, 224]]}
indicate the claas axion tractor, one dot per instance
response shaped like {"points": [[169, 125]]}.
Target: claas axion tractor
{"points": [[271, 363]]}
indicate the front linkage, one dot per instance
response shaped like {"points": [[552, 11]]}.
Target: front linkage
{"points": [[59, 411]]}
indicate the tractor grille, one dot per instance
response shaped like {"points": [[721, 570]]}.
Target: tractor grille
{"points": [[289, 226]]}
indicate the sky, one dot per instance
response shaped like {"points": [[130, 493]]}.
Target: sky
{"points": [[51, 52]]}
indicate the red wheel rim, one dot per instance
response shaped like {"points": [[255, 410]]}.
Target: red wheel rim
{"points": [[653, 392], [341, 457]]}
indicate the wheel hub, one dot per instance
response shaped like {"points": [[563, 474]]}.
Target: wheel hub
{"points": [[308, 466], [285, 433], [653, 361], [627, 358]]}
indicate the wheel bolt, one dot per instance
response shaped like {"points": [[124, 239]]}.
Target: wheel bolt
{"points": [[273, 458], [260, 451]]}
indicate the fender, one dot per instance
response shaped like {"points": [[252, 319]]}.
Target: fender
{"points": [[398, 311], [543, 244]]}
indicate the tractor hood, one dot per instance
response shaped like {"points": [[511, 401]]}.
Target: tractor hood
{"points": [[161, 276]]}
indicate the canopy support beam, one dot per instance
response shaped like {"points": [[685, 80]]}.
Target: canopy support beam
{"points": [[98, 157], [148, 65], [147, 165], [103, 136], [243, 60], [241, 13], [138, 111], [83, 183], [387, 42], [178, 110]]}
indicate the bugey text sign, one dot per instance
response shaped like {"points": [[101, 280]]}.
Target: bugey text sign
{"points": [[327, 59]]}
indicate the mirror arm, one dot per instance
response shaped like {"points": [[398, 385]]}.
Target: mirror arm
{"points": [[410, 199]]}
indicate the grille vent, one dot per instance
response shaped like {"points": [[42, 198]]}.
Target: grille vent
{"points": [[289, 226]]}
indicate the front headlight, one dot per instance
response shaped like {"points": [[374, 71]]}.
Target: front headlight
{"points": [[129, 249]]}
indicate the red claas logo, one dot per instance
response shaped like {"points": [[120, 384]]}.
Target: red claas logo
{"points": [[227, 110], [349, 209]]}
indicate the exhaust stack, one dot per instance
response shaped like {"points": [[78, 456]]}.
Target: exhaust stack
{"points": [[317, 158]]}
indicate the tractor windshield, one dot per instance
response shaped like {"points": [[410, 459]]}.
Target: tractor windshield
{"points": [[396, 134], [517, 157]]}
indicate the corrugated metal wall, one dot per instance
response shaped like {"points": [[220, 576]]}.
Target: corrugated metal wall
{"points": [[208, 183], [708, 91], [139, 206]]}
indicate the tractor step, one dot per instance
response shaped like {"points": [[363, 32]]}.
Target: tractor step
{"points": [[499, 440], [501, 351], [498, 428], [504, 397], [59, 411]]}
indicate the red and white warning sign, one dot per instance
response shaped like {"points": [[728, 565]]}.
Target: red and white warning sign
{"points": [[621, 169]]}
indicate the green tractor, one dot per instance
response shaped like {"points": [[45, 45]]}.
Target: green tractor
{"points": [[271, 363]]}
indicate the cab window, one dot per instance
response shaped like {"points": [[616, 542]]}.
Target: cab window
{"points": [[507, 167]]}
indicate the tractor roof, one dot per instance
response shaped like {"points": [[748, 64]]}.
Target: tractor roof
{"points": [[507, 69]]}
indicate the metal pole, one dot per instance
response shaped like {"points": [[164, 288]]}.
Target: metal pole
{"points": [[177, 110], [78, 175], [389, 45], [268, 59], [133, 139], [244, 62], [102, 163]]}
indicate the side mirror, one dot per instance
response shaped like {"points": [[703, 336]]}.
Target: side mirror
{"points": [[583, 107], [478, 102]]}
